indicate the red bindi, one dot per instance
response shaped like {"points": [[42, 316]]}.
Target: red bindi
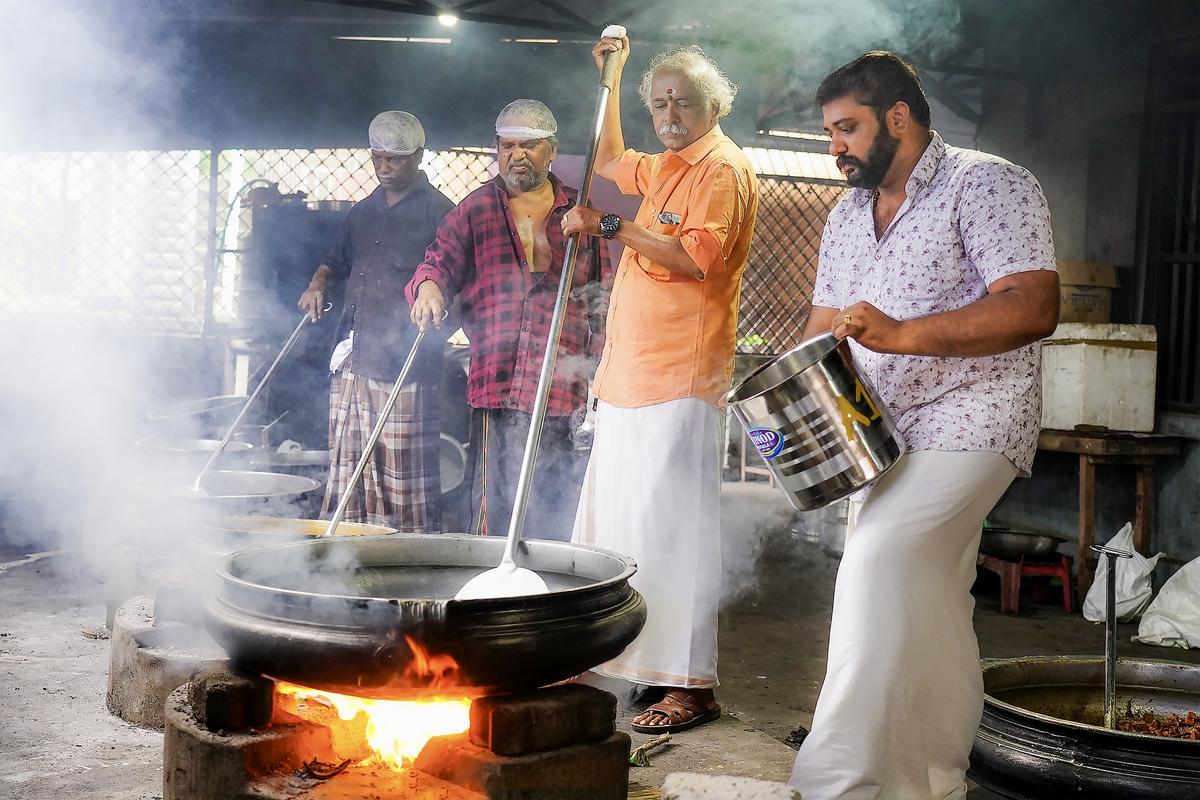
{"points": [[670, 91]]}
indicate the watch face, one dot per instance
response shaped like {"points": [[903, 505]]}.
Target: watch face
{"points": [[609, 224]]}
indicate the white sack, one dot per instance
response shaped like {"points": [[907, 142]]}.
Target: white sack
{"points": [[1133, 581], [1173, 619]]}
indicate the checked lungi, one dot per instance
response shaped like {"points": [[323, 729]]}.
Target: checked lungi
{"points": [[498, 440], [401, 485]]}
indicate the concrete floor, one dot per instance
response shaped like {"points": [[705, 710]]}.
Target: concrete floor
{"points": [[59, 741]]}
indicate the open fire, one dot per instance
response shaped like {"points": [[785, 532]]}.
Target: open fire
{"points": [[394, 730]]}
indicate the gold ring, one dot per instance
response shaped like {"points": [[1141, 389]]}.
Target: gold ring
{"points": [[846, 319]]}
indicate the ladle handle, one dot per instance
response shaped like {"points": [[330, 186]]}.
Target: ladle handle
{"points": [[1110, 554], [376, 432], [287, 347], [541, 400]]}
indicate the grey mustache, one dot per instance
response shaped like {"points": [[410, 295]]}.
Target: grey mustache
{"points": [[671, 129]]}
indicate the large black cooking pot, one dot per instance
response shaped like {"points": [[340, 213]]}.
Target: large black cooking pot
{"points": [[340, 615], [1042, 733], [225, 492]]}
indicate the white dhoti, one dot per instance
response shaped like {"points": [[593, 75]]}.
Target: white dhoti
{"points": [[903, 691], [653, 492]]}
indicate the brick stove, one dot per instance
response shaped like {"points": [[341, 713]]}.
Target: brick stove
{"points": [[231, 736]]}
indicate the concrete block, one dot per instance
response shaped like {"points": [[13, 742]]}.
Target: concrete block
{"points": [[692, 786], [147, 662], [199, 764], [546, 719], [593, 771], [224, 700]]}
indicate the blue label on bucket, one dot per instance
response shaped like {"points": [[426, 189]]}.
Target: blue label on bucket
{"points": [[768, 442]]}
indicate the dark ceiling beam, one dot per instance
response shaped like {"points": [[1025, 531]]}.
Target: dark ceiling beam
{"points": [[467, 5], [948, 98], [557, 26], [430, 10], [632, 12], [977, 72], [569, 14]]}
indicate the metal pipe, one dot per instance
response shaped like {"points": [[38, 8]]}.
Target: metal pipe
{"points": [[287, 347], [376, 432], [541, 400], [1110, 554]]}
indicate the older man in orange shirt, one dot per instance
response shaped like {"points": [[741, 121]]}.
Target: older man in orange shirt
{"points": [[653, 489]]}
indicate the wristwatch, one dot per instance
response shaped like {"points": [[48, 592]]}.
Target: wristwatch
{"points": [[609, 225]]}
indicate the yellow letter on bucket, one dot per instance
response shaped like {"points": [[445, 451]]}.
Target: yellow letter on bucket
{"points": [[850, 414]]}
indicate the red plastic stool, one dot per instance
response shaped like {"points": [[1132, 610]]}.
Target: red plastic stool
{"points": [[1011, 572]]}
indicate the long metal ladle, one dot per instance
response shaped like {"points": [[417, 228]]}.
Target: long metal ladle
{"points": [[507, 579], [376, 432], [287, 347], [1110, 555]]}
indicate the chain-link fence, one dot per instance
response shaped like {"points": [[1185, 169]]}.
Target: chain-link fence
{"points": [[152, 242], [779, 279], [116, 237]]}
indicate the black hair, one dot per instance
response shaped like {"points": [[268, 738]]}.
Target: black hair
{"points": [[878, 79]]}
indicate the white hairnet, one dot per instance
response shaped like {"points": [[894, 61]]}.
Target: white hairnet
{"points": [[396, 132], [526, 119]]}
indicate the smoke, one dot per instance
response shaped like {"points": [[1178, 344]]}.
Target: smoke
{"points": [[76, 388], [751, 515], [100, 74]]}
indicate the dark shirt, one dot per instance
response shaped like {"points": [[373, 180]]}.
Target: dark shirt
{"points": [[506, 309], [377, 250]]}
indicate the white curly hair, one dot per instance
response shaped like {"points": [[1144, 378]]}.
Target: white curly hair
{"points": [[695, 65]]}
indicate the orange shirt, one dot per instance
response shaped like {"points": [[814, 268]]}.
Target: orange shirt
{"points": [[670, 336]]}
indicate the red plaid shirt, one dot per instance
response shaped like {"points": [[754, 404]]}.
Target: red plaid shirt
{"points": [[506, 310]]}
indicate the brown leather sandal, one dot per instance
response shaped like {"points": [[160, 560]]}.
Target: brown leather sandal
{"points": [[683, 709]]}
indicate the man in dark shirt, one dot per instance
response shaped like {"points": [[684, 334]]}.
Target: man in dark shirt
{"points": [[501, 253], [378, 247]]}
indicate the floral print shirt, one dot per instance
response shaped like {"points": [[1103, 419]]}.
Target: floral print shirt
{"points": [[969, 219]]}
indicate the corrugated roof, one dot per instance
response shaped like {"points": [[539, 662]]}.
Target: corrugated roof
{"points": [[793, 163]]}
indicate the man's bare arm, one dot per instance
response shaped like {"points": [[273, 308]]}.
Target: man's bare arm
{"points": [[611, 144], [820, 320], [1017, 310]]}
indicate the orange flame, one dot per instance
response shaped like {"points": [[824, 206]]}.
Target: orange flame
{"points": [[396, 730], [435, 672]]}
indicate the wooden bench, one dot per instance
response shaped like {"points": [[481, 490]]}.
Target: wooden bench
{"points": [[1119, 448]]}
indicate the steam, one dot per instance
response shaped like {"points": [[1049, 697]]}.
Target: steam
{"points": [[102, 77], [75, 392]]}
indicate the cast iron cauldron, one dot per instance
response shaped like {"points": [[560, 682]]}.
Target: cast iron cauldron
{"points": [[339, 615], [1042, 737]]}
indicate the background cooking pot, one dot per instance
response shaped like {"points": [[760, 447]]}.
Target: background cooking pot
{"points": [[227, 492], [335, 614], [1042, 731], [818, 424], [206, 416], [1014, 545]]}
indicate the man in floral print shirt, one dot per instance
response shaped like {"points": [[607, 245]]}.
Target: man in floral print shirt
{"points": [[938, 265]]}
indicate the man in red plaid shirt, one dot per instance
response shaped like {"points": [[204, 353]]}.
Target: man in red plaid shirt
{"points": [[501, 253]]}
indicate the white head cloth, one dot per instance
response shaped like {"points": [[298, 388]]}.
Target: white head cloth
{"points": [[526, 119], [396, 132]]}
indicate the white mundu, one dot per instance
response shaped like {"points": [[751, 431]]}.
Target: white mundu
{"points": [[903, 691], [653, 492]]}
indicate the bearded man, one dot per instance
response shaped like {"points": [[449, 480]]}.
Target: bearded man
{"points": [[378, 246], [939, 267], [653, 486], [501, 254]]}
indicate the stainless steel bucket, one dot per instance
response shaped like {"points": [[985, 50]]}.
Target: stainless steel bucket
{"points": [[817, 422]]}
